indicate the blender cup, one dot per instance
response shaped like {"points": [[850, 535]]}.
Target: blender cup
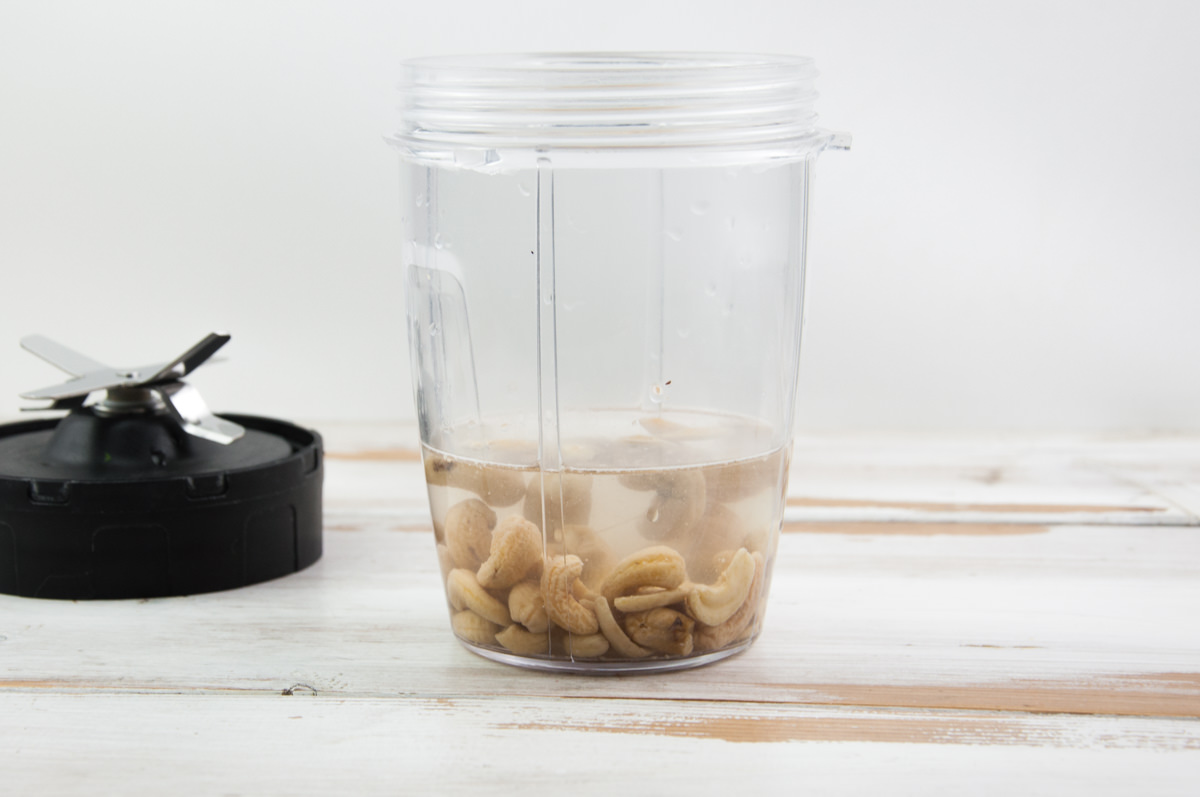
{"points": [[604, 261]]}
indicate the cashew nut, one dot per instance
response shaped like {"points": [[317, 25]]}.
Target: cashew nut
{"points": [[445, 561], [662, 630], [678, 503], [652, 598], [739, 480], [568, 500], [643, 451], [586, 646], [641, 480], [719, 562], [474, 628], [464, 592], [469, 532], [559, 577], [515, 550], [713, 605], [510, 450], [670, 516], [437, 468], [523, 642], [591, 548], [527, 607], [500, 486], [583, 593], [739, 625], [673, 430], [720, 529], [758, 540], [495, 484], [612, 631], [656, 566]]}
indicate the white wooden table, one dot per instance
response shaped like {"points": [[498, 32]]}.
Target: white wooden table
{"points": [[947, 617]]}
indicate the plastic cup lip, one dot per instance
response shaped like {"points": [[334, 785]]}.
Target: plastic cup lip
{"points": [[599, 62], [606, 100]]}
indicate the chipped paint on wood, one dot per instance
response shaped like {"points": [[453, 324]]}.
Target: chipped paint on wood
{"points": [[916, 529], [761, 727], [1148, 695], [376, 455], [758, 728], [932, 506]]}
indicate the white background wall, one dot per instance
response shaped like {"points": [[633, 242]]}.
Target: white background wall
{"points": [[1013, 243]]}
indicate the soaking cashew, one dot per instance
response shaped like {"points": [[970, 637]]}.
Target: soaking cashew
{"points": [[583, 593], [437, 468], [498, 486], [464, 592], [674, 431], [758, 540], [713, 605], [469, 532], [720, 529], [592, 549], [586, 646], [568, 500], [445, 561], [559, 577], [557, 589], [527, 607], [678, 502], [612, 631], [515, 550], [739, 625], [656, 566], [719, 562], [653, 598], [671, 517], [474, 628], [522, 642], [642, 451], [509, 450], [662, 630]]}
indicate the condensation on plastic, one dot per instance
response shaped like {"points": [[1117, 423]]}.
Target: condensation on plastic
{"points": [[484, 112]]}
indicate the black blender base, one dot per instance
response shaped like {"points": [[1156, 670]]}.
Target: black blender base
{"points": [[155, 535], [146, 493]]}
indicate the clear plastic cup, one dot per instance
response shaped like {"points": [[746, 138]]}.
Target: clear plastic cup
{"points": [[605, 261]]}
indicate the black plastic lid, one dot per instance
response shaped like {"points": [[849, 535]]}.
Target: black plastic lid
{"points": [[131, 506]]}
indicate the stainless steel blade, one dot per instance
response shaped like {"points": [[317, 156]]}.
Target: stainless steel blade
{"points": [[61, 357], [88, 383], [193, 358], [193, 414], [73, 403]]}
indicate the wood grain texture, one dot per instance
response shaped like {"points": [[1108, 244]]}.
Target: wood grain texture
{"points": [[944, 617], [377, 455], [933, 506], [306, 744], [1046, 622], [904, 527]]}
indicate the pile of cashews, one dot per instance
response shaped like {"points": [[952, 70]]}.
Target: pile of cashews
{"points": [[537, 585]]}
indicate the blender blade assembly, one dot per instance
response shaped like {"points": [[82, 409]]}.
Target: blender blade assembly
{"points": [[140, 490]]}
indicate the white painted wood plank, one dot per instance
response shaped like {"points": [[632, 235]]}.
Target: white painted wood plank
{"points": [[993, 480], [894, 621], [1093, 619], [170, 744]]}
